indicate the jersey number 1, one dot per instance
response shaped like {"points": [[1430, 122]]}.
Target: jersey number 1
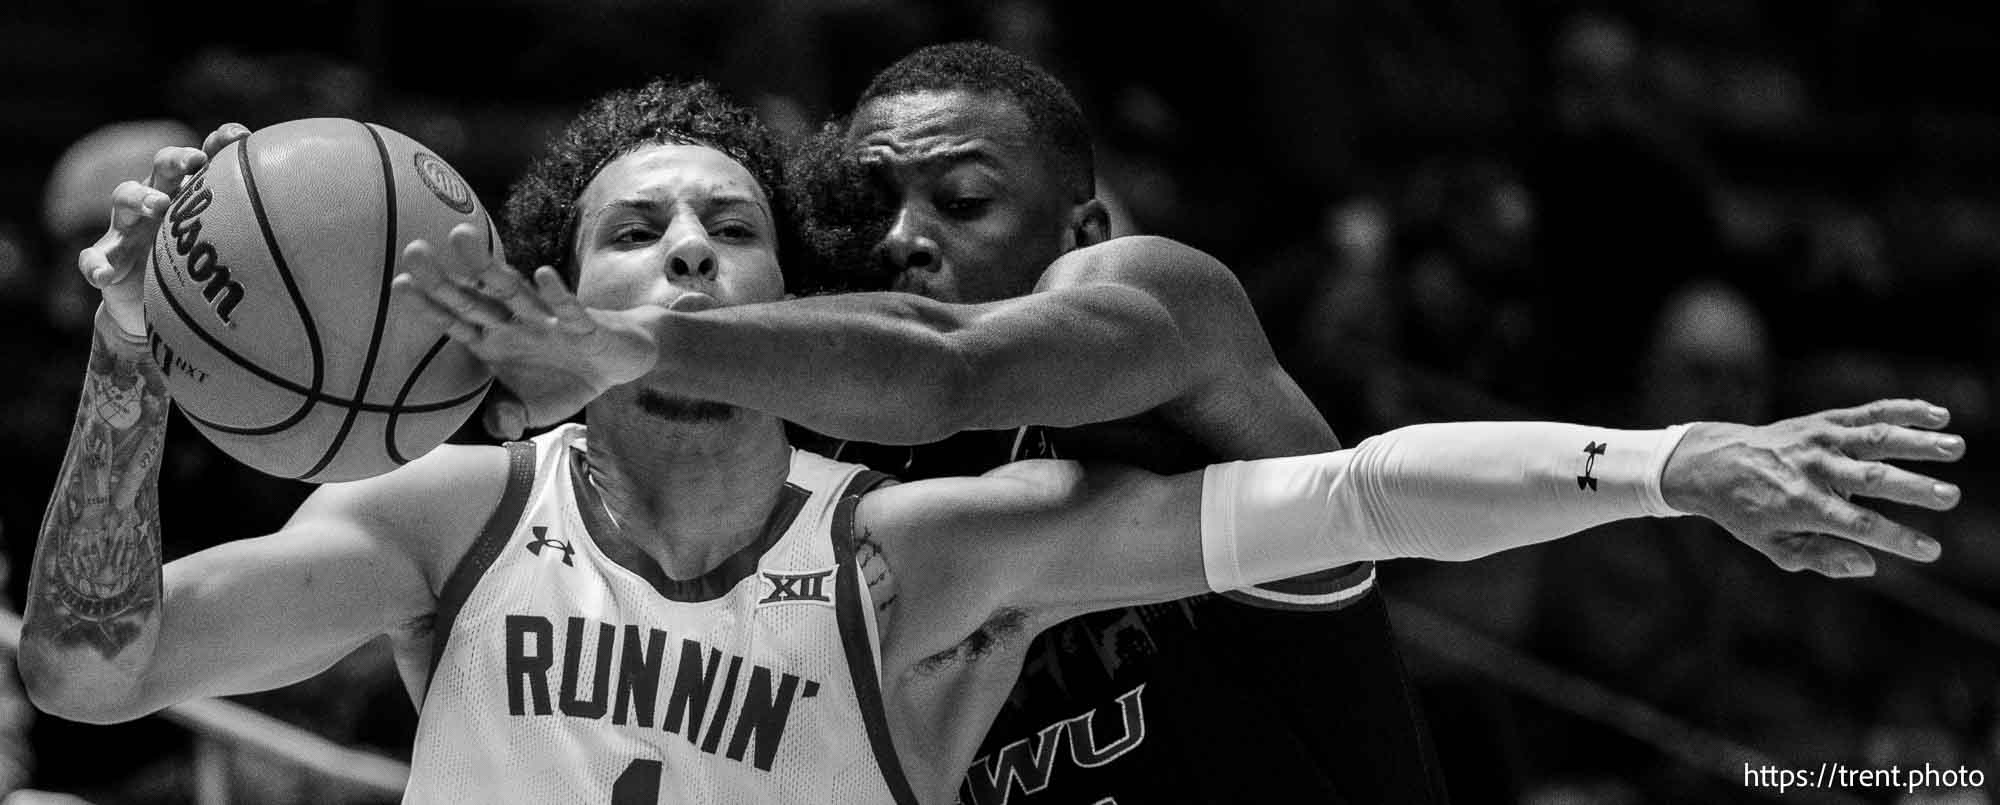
{"points": [[639, 784]]}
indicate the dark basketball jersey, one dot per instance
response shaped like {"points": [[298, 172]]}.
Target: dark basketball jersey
{"points": [[1294, 695]]}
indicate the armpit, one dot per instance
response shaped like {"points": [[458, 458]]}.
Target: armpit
{"points": [[1001, 630], [417, 628]]}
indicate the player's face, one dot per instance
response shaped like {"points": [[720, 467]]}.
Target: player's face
{"points": [[979, 208], [684, 226]]}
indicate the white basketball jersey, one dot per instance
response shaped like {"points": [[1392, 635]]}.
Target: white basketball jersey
{"points": [[562, 677]]}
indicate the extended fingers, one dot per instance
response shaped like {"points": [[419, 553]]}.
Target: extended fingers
{"points": [[570, 313], [427, 276], [1826, 513], [136, 210], [171, 165], [493, 278], [1908, 413], [135, 204], [1878, 480], [436, 314], [1820, 554], [1883, 441], [222, 136]]}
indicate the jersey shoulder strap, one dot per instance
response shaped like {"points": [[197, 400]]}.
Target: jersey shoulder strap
{"points": [[492, 538]]}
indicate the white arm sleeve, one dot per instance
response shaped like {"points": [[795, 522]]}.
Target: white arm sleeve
{"points": [[1452, 491]]}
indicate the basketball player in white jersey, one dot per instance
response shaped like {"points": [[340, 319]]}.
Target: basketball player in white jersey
{"points": [[676, 606]]}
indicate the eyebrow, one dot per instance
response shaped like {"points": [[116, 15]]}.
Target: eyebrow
{"points": [[707, 205], [944, 158]]}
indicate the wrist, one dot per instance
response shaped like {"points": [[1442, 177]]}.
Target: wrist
{"points": [[123, 327], [645, 352], [1681, 478], [1659, 501]]}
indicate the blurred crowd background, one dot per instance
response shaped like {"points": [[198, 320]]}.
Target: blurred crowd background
{"points": [[1627, 214]]}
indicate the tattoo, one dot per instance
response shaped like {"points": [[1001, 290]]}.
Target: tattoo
{"points": [[875, 569], [96, 580]]}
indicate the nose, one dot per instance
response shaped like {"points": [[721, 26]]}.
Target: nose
{"points": [[692, 256], [907, 246]]}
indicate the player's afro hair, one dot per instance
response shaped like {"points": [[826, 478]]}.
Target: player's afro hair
{"points": [[983, 68], [842, 215], [541, 215]]}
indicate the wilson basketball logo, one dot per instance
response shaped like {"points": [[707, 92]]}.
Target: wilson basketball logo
{"points": [[199, 259], [444, 183]]}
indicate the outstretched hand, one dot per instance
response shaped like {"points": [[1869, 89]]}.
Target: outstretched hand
{"points": [[1784, 488], [116, 263], [551, 354]]}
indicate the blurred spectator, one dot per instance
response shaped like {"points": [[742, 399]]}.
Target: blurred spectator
{"points": [[1646, 605], [1625, 214], [77, 202], [1710, 360]]}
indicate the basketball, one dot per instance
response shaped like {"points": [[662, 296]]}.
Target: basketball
{"points": [[269, 305]]}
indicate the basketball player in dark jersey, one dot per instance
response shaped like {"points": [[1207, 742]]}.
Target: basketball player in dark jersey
{"points": [[1019, 312], [1218, 698]]}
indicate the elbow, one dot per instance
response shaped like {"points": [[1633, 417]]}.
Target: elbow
{"points": [[938, 396], [954, 400], [70, 694]]}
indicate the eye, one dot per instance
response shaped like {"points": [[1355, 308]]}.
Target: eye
{"points": [[634, 234], [734, 230], [965, 207]]}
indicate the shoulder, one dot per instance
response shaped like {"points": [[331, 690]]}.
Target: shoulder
{"points": [[1163, 266], [1202, 294], [430, 509]]}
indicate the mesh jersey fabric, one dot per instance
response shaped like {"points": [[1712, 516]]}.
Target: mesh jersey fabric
{"points": [[565, 677]]}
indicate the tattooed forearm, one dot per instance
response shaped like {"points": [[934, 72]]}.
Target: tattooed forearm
{"points": [[96, 581]]}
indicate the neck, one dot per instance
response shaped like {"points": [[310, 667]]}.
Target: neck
{"points": [[685, 495]]}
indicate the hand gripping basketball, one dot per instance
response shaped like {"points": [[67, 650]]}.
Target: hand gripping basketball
{"points": [[116, 263], [551, 352], [1783, 488]]}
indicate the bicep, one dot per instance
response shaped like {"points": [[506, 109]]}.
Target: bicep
{"points": [[261, 613], [1054, 538]]}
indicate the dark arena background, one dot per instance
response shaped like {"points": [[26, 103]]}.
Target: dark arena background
{"points": [[1628, 214]]}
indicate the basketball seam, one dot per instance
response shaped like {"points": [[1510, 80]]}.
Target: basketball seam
{"points": [[426, 408], [409, 383], [284, 268], [275, 380], [312, 395], [381, 299]]}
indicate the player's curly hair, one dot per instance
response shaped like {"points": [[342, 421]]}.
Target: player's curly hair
{"points": [[1052, 112], [842, 214], [541, 213]]}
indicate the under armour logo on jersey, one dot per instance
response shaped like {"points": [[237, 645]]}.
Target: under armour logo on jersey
{"points": [[542, 541], [798, 588], [1591, 451]]}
